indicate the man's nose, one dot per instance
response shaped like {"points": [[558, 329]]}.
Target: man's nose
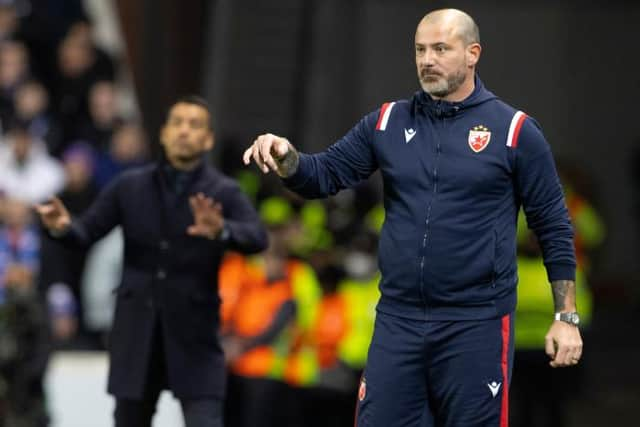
{"points": [[428, 59], [183, 129]]}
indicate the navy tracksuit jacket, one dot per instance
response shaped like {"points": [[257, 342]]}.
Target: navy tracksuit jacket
{"points": [[447, 249], [455, 176]]}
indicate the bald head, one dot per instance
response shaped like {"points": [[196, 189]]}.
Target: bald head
{"points": [[457, 21]]}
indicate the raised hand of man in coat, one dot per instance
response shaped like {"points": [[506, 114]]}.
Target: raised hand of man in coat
{"points": [[54, 216], [207, 215]]}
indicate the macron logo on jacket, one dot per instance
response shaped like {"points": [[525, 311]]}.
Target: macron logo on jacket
{"points": [[409, 134], [383, 120]]}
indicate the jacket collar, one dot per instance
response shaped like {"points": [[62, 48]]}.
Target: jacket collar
{"points": [[178, 180], [423, 102]]}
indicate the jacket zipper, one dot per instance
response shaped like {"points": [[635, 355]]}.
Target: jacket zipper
{"points": [[427, 221]]}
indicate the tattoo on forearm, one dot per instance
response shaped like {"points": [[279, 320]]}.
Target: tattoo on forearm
{"points": [[289, 164], [564, 295]]}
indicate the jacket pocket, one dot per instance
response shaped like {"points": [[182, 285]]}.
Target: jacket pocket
{"points": [[494, 257]]}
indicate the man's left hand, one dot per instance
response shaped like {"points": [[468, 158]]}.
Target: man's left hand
{"points": [[207, 215], [563, 344]]}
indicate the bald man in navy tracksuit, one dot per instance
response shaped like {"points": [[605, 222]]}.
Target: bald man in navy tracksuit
{"points": [[457, 164]]}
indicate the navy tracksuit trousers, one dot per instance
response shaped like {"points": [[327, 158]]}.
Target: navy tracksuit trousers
{"points": [[437, 373]]}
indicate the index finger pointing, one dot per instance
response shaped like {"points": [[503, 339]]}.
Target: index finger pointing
{"points": [[43, 209], [246, 157]]}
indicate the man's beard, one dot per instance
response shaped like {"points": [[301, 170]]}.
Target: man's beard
{"points": [[441, 87]]}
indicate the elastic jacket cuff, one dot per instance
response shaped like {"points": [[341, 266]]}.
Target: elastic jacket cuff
{"points": [[298, 178], [558, 271]]}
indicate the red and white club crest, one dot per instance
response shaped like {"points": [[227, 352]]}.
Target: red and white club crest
{"points": [[479, 138], [362, 391]]}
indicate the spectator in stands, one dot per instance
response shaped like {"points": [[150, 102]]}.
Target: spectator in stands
{"points": [[79, 67], [128, 148], [104, 118], [28, 172], [14, 70], [9, 22], [19, 240], [62, 267], [31, 106], [263, 321], [24, 351]]}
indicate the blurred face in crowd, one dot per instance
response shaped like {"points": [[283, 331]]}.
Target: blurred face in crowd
{"points": [[445, 53], [186, 135], [81, 32], [102, 103], [16, 213], [31, 99], [74, 57], [78, 172], [14, 64], [8, 20], [129, 144]]}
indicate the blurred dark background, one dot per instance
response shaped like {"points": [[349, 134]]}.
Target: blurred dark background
{"points": [[309, 70]]}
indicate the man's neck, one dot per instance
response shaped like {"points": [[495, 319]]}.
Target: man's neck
{"points": [[186, 166]]}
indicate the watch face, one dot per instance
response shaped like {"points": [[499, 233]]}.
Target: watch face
{"points": [[575, 319], [572, 318]]}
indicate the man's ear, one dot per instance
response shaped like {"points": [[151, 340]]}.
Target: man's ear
{"points": [[473, 54], [211, 141], [162, 135]]}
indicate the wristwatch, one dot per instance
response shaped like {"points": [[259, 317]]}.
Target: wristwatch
{"points": [[571, 318]]}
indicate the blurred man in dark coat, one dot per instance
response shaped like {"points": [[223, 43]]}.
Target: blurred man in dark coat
{"points": [[24, 350], [178, 217]]}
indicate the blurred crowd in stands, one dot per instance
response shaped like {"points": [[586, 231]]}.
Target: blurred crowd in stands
{"points": [[63, 133], [296, 320], [298, 317]]}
